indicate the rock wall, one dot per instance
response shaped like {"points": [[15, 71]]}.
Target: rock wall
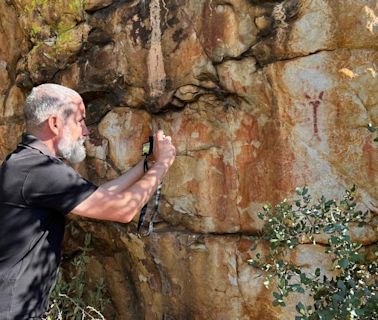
{"points": [[259, 96]]}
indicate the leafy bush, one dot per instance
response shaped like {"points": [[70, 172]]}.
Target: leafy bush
{"points": [[72, 299], [351, 293]]}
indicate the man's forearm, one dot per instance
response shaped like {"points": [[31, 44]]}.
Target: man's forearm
{"points": [[146, 186], [126, 180], [122, 206]]}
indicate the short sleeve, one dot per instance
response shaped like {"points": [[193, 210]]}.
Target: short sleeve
{"points": [[54, 185]]}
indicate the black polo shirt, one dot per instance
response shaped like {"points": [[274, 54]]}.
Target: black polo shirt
{"points": [[37, 190]]}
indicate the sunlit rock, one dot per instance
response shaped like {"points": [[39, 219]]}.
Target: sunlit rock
{"points": [[259, 97]]}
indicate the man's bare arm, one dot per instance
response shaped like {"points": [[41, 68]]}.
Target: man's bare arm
{"points": [[119, 203], [126, 180], [122, 206]]}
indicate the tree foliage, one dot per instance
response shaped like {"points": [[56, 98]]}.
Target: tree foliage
{"points": [[351, 292]]}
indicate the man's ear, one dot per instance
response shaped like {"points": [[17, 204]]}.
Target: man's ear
{"points": [[54, 124]]}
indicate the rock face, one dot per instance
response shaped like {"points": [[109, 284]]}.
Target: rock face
{"points": [[259, 97]]}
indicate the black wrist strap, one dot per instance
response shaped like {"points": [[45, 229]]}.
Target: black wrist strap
{"points": [[144, 209], [145, 164]]}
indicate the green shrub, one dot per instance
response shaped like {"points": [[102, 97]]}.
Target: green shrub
{"points": [[352, 292], [74, 299]]}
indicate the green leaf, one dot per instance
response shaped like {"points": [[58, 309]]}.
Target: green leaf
{"points": [[344, 263], [356, 257], [360, 312], [352, 283], [329, 203], [326, 315], [304, 191], [298, 191], [334, 240], [337, 298], [300, 308], [341, 285], [277, 295], [300, 290], [329, 228], [317, 272], [304, 278]]}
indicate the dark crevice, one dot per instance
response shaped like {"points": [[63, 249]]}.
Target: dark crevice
{"points": [[295, 57], [98, 104], [11, 120]]}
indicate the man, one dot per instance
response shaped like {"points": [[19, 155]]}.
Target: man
{"points": [[37, 190]]}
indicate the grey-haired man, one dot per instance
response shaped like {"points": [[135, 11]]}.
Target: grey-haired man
{"points": [[37, 190]]}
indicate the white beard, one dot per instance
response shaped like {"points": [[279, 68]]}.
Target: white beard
{"points": [[73, 151]]}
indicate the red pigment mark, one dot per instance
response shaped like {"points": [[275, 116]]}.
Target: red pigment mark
{"points": [[315, 103]]}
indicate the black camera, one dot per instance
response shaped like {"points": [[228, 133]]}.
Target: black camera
{"points": [[148, 146]]}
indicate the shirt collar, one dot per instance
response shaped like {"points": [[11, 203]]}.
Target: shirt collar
{"points": [[33, 142]]}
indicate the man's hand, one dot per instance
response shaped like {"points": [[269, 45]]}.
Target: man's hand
{"points": [[164, 151]]}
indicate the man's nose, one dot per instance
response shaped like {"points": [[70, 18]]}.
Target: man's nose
{"points": [[85, 130]]}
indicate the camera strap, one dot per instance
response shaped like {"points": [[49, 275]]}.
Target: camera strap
{"points": [[144, 209]]}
